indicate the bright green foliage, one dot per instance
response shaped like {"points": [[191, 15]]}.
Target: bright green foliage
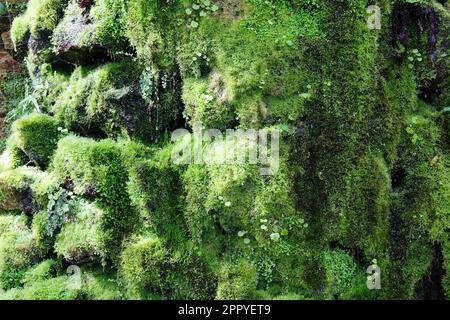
{"points": [[13, 88], [80, 239], [341, 270], [19, 30], [36, 136], [155, 189], [40, 16], [150, 269], [100, 285], [100, 26], [206, 105], [44, 270], [262, 82], [96, 170], [108, 19], [40, 233], [143, 263], [13, 156], [233, 208], [46, 281], [150, 28], [104, 99], [43, 14], [17, 251], [50, 289]]}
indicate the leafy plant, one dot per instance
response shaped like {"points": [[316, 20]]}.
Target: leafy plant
{"points": [[199, 9], [59, 209]]}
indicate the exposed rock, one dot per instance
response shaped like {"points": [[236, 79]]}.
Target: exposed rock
{"points": [[17, 199], [7, 64], [11, 200], [68, 46], [6, 41]]}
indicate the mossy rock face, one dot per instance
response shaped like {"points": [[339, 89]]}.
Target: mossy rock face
{"points": [[79, 239], [88, 34], [150, 269], [95, 170], [16, 193], [363, 177], [18, 251], [237, 281], [36, 136]]}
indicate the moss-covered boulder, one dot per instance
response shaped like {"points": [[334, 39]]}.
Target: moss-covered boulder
{"points": [[16, 193], [360, 108], [36, 135], [95, 170]]}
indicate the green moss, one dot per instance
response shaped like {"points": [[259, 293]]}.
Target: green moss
{"points": [[100, 26], [150, 28], [340, 269], [96, 169], [13, 156], [193, 275], [17, 252], [19, 30], [265, 81], [143, 263], [41, 15], [39, 228], [237, 281], [108, 19], [13, 89], [290, 296], [80, 239], [105, 99], [50, 289], [42, 283], [364, 168], [36, 136], [204, 105], [234, 198], [155, 189], [15, 190], [100, 285], [44, 270], [150, 268]]}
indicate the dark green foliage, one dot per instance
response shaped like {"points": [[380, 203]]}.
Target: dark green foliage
{"points": [[150, 269], [364, 170]]}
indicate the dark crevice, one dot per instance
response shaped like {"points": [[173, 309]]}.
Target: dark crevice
{"points": [[28, 204], [63, 67], [398, 176], [430, 286], [408, 15], [356, 253]]}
